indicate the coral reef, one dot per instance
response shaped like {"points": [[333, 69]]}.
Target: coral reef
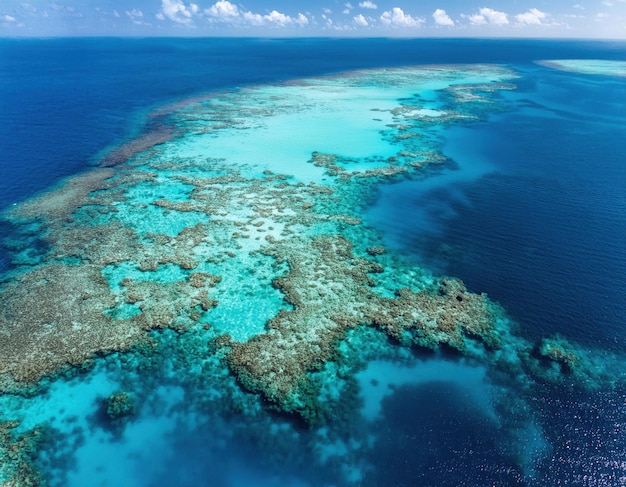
{"points": [[142, 143], [97, 221], [331, 291], [558, 362], [17, 453], [120, 405], [53, 316], [59, 315], [588, 66], [62, 201], [138, 255]]}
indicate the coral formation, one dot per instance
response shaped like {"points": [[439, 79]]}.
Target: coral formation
{"points": [[556, 361], [141, 250], [71, 321], [98, 220], [120, 405], [17, 453], [142, 143], [53, 316], [331, 291], [588, 66], [64, 200]]}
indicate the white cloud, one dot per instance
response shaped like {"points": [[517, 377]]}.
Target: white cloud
{"points": [[136, 16], [397, 18], [368, 4], [61, 8], [177, 11], [348, 8], [489, 16], [134, 13], [477, 19], [442, 18], [252, 19], [116, 13], [532, 17], [277, 18], [28, 9], [495, 17], [224, 11], [327, 11], [8, 18], [301, 19], [360, 20], [54, 8]]}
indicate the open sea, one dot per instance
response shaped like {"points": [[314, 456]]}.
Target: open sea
{"points": [[526, 203]]}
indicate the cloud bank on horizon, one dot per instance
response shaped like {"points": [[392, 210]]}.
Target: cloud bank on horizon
{"points": [[275, 18]]}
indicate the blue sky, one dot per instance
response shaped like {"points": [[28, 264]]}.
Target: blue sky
{"points": [[277, 18]]}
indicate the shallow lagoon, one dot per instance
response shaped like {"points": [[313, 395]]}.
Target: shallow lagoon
{"points": [[192, 245]]}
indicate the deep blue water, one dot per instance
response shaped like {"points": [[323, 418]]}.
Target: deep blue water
{"points": [[462, 441], [541, 229]]}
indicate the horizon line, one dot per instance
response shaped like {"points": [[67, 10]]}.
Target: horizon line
{"points": [[312, 37]]}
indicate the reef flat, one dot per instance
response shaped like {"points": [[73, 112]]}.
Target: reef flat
{"points": [[588, 66], [228, 261]]}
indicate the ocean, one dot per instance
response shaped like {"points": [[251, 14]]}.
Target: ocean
{"points": [[223, 262]]}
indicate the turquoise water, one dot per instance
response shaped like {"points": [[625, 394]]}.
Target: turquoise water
{"points": [[256, 300]]}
